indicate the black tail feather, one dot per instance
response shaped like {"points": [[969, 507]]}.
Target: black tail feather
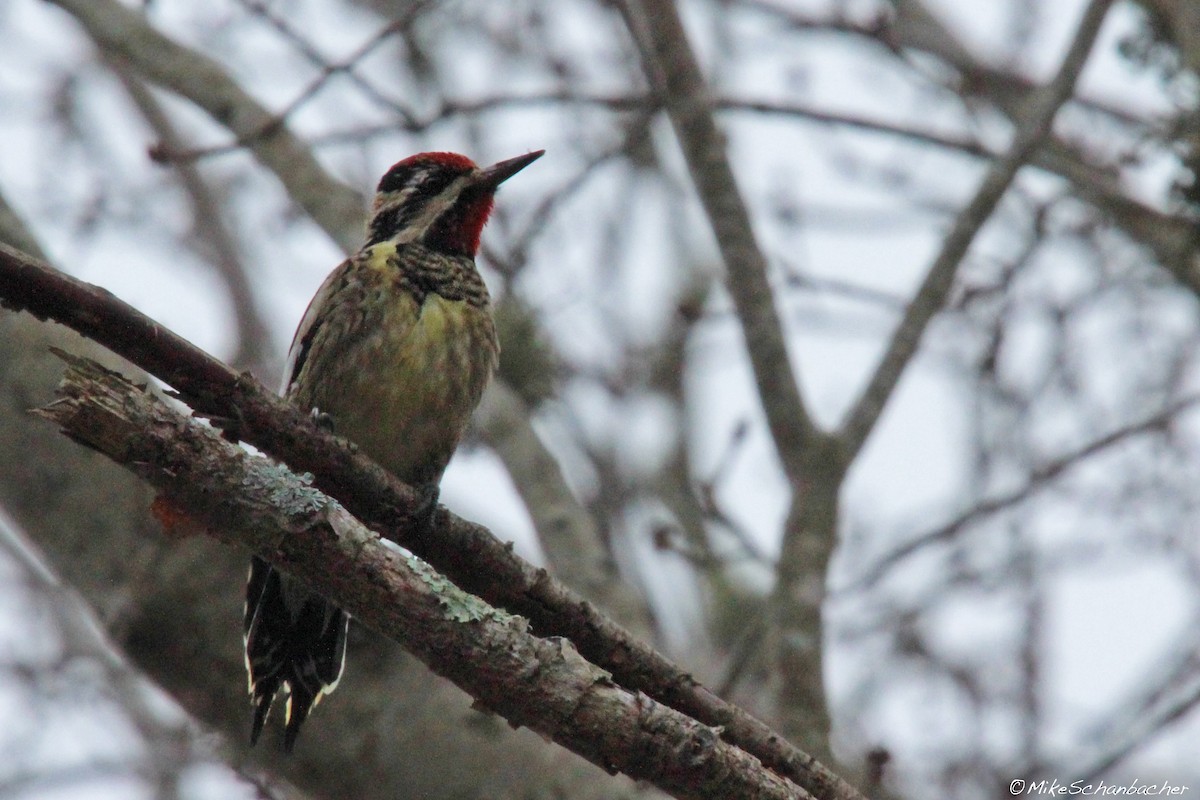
{"points": [[263, 696], [294, 638], [299, 704]]}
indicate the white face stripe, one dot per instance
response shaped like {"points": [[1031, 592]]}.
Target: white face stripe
{"points": [[412, 232], [433, 209]]}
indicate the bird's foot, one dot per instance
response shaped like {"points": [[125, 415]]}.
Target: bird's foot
{"points": [[426, 508], [323, 420]]}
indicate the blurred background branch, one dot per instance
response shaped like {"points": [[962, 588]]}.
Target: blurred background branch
{"points": [[997, 571]]}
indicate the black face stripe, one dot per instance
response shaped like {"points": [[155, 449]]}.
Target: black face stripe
{"points": [[397, 178], [435, 182], [387, 223], [405, 195], [426, 180]]}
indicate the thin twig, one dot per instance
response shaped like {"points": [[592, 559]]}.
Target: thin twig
{"points": [[123, 33], [1040, 478], [346, 66], [935, 289], [675, 74]]}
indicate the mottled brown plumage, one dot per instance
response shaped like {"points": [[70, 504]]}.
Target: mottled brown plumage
{"points": [[421, 372], [395, 349]]}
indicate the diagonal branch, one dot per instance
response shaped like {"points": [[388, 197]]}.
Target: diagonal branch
{"points": [[1174, 701], [124, 34], [543, 684], [127, 39], [169, 739], [1041, 478], [931, 296], [14, 231], [346, 66], [675, 73], [468, 553], [573, 546], [253, 338]]}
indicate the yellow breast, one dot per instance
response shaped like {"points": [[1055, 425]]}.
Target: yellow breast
{"points": [[398, 375], [421, 384]]}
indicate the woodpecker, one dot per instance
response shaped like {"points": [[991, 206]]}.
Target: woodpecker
{"points": [[394, 352]]}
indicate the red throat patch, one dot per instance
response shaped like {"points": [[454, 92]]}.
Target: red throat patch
{"points": [[460, 229]]}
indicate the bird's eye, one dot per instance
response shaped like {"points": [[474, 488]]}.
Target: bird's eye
{"points": [[427, 186], [396, 180], [430, 184], [417, 180]]}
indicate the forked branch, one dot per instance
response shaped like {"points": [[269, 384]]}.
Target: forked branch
{"points": [[543, 684], [467, 553]]}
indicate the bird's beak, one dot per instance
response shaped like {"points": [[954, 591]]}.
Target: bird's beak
{"points": [[496, 174]]}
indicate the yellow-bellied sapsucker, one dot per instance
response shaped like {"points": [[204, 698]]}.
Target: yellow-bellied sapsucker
{"points": [[396, 349]]}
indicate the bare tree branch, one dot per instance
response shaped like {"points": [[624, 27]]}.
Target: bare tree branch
{"points": [[347, 66], [469, 554], [171, 743], [935, 289], [1040, 479], [253, 344], [14, 231], [123, 34], [1169, 697], [543, 684], [674, 71], [567, 532]]}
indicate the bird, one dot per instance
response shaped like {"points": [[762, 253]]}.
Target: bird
{"points": [[393, 353]]}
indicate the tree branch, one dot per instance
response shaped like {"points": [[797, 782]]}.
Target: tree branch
{"points": [[466, 552], [1166, 703], [675, 73], [543, 684], [568, 533], [254, 351], [171, 740], [14, 231], [123, 34], [1041, 478], [931, 296]]}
